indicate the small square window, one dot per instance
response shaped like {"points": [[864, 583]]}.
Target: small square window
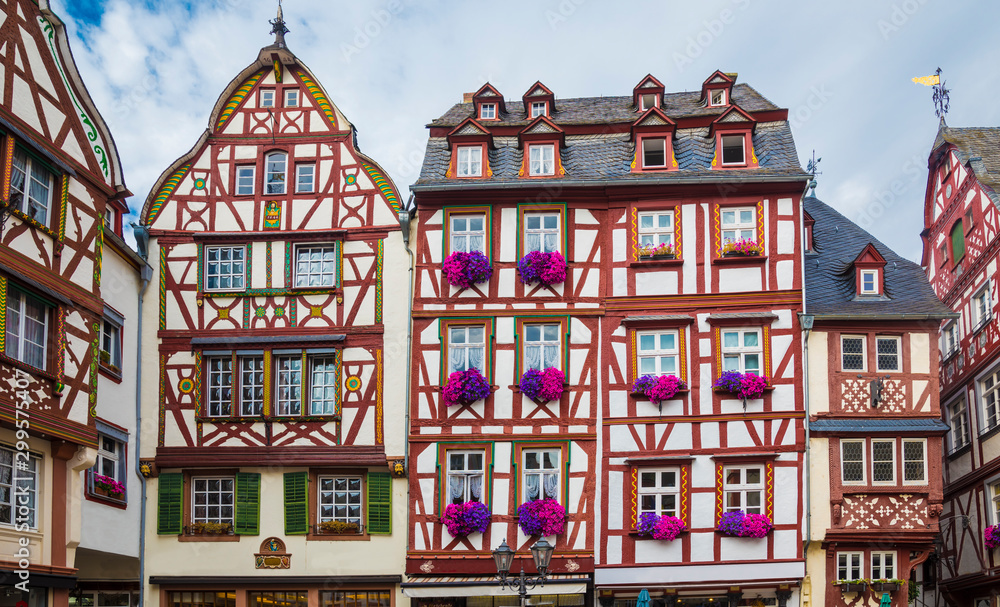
{"points": [[225, 268], [656, 228], [849, 566], [340, 500], [717, 97], [305, 178], [468, 233], [245, 177], [742, 350], [732, 149], [541, 232], [654, 152], [852, 353], [647, 101], [488, 111], [869, 282], [659, 491], [213, 500], [657, 353], [470, 161], [738, 224], [539, 108], [267, 98], [887, 353], [541, 160], [316, 266], [292, 98]]}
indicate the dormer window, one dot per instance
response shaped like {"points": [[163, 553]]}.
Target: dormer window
{"points": [[646, 101], [733, 151], [717, 98], [538, 108], [870, 273], [654, 152], [470, 161], [869, 282], [541, 159], [488, 111]]}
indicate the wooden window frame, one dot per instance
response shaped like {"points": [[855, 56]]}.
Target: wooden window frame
{"points": [[519, 343], [534, 105], [459, 148], [961, 415], [205, 264], [899, 353], [642, 326], [49, 311], [253, 180], [187, 516], [493, 113], [314, 475], [642, 154], [758, 209], [864, 353], [267, 173], [642, 101], [541, 147], [711, 97], [764, 325], [485, 211], [894, 462], [982, 394], [444, 334], [294, 273], [292, 94], [678, 489], [631, 489], [448, 473], [517, 459], [298, 178], [903, 461], [851, 554], [722, 150], [263, 96], [766, 463], [443, 448], [864, 461], [532, 209], [882, 566]]}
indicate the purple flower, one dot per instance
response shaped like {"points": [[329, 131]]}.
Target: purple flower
{"points": [[465, 387], [465, 518], [658, 527], [546, 385], [740, 524], [463, 270], [991, 537], [658, 388], [541, 517], [743, 385], [544, 268], [730, 381]]}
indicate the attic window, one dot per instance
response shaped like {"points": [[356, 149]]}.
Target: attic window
{"points": [[267, 98], [654, 153], [732, 149], [488, 111], [292, 98], [869, 282], [539, 108], [647, 101], [541, 160], [717, 97]]}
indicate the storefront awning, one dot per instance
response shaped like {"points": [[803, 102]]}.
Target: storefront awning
{"points": [[488, 585]]}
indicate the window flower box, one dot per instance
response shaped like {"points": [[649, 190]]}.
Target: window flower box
{"points": [[885, 585], [746, 386], [210, 529], [738, 523], [465, 387], [660, 527], [850, 585], [663, 251], [543, 268], [107, 487], [542, 517], [543, 386], [991, 537], [338, 528], [745, 247], [658, 388], [465, 518], [463, 270]]}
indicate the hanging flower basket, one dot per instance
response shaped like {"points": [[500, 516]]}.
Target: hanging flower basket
{"points": [[465, 518], [659, 527], [543, 386], [663, 251], [991, 537], [742, 385], [543, 268], [465, 387], [658, 388], [745, 247], [542, 517], [740, 524], [105, 485], [463, 270]]}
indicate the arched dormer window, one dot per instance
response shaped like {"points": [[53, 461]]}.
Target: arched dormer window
{"points": [[276, 173], [957, 242]]}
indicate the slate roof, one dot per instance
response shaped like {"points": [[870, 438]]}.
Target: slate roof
{"points": [[981, 146], [830, 277], [868, 425]]}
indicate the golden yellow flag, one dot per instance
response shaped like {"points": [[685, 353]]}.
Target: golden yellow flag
{"points": [[928, 80]]}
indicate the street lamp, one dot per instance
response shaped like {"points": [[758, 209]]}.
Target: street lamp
{"points": [[503, 556]]}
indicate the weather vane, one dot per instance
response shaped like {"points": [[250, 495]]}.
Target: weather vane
{"points": [[278, 28], [941, 98], [812, 168]]}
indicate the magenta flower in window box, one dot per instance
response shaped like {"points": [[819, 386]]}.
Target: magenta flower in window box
{"points": [[543, 385], [112, 487], [743, 385], [463, 270], [650, 250], [658, 388], [660, 527], [542, 517], [544, 268], [742, 247], [465, 518], [465, 387], [991, 537], [741, 524]]}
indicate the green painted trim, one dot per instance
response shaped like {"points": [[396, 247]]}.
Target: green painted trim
{"points": [[563, 231], [489, 320], [457, 209], [543, 317]]}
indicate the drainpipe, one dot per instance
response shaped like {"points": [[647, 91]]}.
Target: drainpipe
{"points": [[405, 217], [806, 321], [146, 273]]}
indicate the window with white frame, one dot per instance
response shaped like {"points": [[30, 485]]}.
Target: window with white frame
{"points": [[488, 111], [717, 97], [466, 476], [305, 178], [266, 97], [466, 348], [738, 224], [288, 395], [883, 461], [27, 329], [981, 307], [646, 101], [654, 152], [538, 108], [657, 353], [656, 228], [541, 474], [220, 386], [989, 394], [883, 565], [541, 232], [316, 265], [213, 500], [18, 489], [32, 183], [743, 489], [852, 462], [323, 382], [245, 177], [887, 353], [732, 149], [869, 282], [340, 499], [852, 352], [994, 495], [470, 160], [291, 98], [958, 432], [541, 346], [225, 268], [110, 458], [541, 159], [249, 385], [468, 233], [659, 491], [849, 566], [276, 166], [914, 461], [949, 338], [741, 350], [111, 343]]}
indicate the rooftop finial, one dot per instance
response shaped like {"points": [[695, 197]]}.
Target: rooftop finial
{"points": [[278, 28], [941, 99], [811, 168]]}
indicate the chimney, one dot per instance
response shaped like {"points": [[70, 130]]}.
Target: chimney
{"points": [[467, 97]]}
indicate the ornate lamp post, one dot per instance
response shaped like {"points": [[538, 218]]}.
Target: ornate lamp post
{"points": [[503, 556]]}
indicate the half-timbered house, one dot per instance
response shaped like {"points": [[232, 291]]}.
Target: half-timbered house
{"points": [[871, 322], [277, 452], [69, 289], [644, 197], [961, 253]]}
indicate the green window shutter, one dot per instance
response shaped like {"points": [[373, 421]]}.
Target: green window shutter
{"points": [[379, 503], [247, 519], [170, 504], [296, 503], [957, 242]]}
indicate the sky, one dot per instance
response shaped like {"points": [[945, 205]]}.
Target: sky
{"points": [[843, 69]]}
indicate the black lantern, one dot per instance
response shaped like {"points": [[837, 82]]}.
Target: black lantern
{"points": [[504, 557], [542, 553]]}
